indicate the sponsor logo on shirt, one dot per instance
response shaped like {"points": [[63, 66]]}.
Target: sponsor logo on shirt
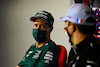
{"points": [[92, 62], [48, 57], [29, 53], [36, 56]]}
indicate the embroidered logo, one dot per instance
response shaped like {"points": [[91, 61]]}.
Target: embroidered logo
{"points": [[29, 53], [79, 20], [36, 56], [48, 57]]}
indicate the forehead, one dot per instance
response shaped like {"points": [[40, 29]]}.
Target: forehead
{"points": [[39, 21]]}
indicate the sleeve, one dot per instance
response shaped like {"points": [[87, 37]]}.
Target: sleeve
{"points": [[50, 58]]}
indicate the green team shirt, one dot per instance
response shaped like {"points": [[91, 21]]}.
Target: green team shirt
{"points": [[45, 56]]}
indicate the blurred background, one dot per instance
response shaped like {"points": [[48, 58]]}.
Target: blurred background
{"points": [[16, 27]]}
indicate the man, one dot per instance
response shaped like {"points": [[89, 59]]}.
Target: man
{"points": [[44, 53], [79, 27]]}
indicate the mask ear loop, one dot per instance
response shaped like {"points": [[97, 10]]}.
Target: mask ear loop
{"points": [[67, 35], [46, 31]]}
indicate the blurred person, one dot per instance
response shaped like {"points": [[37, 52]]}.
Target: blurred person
{"points": [[43, 53], [96, 9], [79, 30]]}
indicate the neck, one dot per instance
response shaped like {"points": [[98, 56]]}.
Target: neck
{"points": [[38, 44], [77, 38]]}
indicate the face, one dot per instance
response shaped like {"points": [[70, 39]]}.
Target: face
{"points": [[42, 25], [41, 31], [69, 29]]}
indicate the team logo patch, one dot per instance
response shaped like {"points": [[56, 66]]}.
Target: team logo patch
{"points": [[79, 20], [92, 62], [69, 17]]}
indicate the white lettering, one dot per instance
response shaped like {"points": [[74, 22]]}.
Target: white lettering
{"points": [[48, 58], [48, 52], [41, 15]]}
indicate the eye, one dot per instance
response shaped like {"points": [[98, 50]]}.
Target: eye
{"points": [[42, 26], [35, 25]]}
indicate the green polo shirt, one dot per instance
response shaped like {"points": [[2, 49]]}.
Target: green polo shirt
{"points": [[45, 56]]}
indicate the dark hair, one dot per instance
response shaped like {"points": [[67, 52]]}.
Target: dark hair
{"points": [[87, 29]]}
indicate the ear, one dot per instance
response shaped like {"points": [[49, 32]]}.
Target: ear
{"points": [[50, 30]]}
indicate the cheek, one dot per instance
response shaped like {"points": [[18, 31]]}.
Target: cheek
{"points": [[66, 24], [69, 31]]}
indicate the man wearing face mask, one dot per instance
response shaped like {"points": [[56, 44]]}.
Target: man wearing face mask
{"points": [[79, 28], [44, 53]]}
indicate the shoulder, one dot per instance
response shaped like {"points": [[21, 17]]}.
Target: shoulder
{"points": [[31, 48], [52, 49], [52, 46]]}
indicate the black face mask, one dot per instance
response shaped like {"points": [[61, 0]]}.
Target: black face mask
{"points": [[39, 35]]}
